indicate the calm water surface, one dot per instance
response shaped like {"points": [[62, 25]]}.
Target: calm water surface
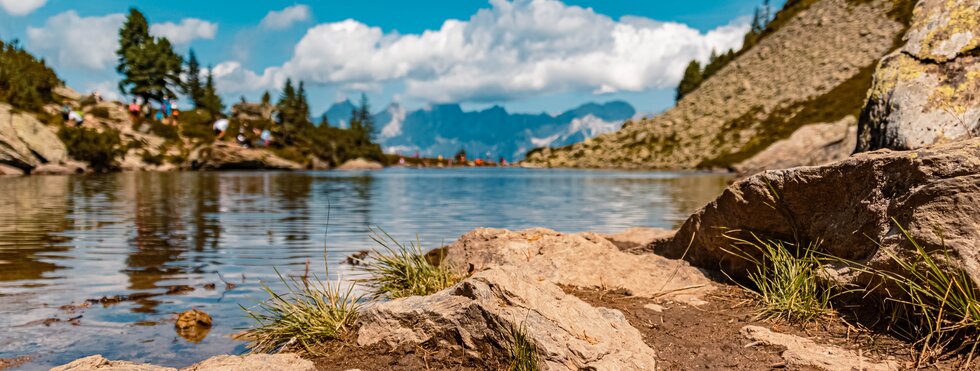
{"points": [[64, 240]]}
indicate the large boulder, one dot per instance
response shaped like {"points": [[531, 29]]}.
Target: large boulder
{"points": [[26, 143], [929, 90], [478, 315], [815, 144], [855, 207], [227, 156], [573, 259]]}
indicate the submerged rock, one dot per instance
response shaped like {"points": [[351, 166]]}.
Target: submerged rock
{"points": [[849, 207], [252, 362], [193, 325], [360, 164], [929, 90], [479, 314]]}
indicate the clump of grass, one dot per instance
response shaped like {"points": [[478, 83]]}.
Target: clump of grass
{"points": [[787, 283], [311, 312], [939, 303], [523, 353], [403, 270]]}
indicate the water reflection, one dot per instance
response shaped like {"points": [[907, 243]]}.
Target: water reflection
{"points": [[64, 240]]}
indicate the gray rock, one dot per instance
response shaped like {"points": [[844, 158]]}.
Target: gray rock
{"points": [[67, 168], [97, 362], [360, 164], [928, 91], [477, 314], [40, 139], [10, 171], [13, 151], [933, 192]]}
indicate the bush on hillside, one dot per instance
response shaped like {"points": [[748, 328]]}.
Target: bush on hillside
{"points": [[99, 149], [25, 82]]}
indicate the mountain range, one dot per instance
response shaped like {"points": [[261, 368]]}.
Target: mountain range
{"points": [[493, 132]]}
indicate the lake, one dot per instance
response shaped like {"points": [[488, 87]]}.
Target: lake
{"points": [[163, 240]]}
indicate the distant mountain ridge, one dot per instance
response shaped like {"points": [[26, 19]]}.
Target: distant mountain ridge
{"points": [[446, 128]]}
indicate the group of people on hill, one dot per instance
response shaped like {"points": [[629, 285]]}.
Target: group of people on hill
{"points": [[264, 136], [167, 114]]}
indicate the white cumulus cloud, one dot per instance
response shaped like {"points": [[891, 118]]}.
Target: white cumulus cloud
{"points": [[73, 41], [189, 29], [511, 50], [21, 7], [70, 40], [282, 19]]}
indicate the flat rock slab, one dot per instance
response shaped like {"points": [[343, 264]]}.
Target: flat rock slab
{"points": [[585, 260], [479, 313], [804, 352], [252, 362]]}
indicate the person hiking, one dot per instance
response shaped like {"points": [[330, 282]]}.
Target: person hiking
{"points": [[134, 110], [174, 112]]}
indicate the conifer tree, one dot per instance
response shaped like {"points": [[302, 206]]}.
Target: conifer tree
{"points": [[150, 67], [193, 86], [266, 98], [210, 100], [691, 80]]}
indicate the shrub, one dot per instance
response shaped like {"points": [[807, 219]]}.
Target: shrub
{"points": [[196, 124], [152, 159], [99, 149], [25, 82], [404, 270], [308, 314], [167, 132], [100, 112], [788, 284]]}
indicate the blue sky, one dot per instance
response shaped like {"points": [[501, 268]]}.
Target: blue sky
{"points": [[527, 55]]}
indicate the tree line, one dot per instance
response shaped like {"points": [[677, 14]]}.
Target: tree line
{"points": [[694, 74]]}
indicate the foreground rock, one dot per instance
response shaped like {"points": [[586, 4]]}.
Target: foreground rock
{"points": [[585, 260], [479, 313], [25, 143], [929, 90], [360, 164], [806, 353], [253, 362], [228, 156], [933, 192], [811, 145]]}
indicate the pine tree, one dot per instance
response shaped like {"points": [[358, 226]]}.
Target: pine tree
{"points": [[210, 100], [266, 98], [193, 86], [150, 67], [692, 79], [364, 117]]}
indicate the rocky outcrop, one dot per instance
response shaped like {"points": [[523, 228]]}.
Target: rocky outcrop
{"points": [[815, 67], [479, 314], [25, 143], [804, 352], [853, 207], [570, 260], [253, 111], [252, 362], [811, 145], [66, 168], [929, 90], [360, 164], [228, 156]]}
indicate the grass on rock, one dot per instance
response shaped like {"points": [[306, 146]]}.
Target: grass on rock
{"points": [[402, 270], [310, 312], [786, 282], [937, 302], [523, 353]]}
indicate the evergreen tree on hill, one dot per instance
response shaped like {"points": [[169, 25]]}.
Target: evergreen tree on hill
{"points": [[193, 86], [150, 67], [691, 80], [25, 82], [210, 101]]}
